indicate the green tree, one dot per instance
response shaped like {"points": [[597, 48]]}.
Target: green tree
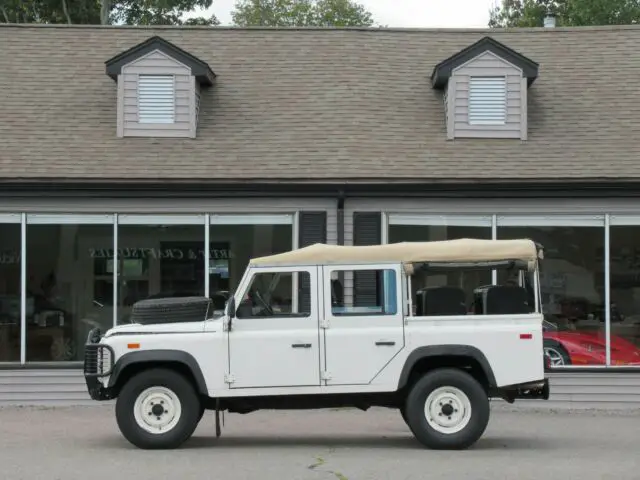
{"points": [[91, 12], [531, 13], [301, 13]]}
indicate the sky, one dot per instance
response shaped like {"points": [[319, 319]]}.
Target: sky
{"points": [[403, 13]]}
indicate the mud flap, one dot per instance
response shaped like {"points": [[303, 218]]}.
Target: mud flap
{"points": [[218, 429]]}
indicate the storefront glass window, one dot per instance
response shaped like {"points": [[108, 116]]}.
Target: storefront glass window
{"points": [[68, 291], [572, 286], [233, 245], [444, 228], [624, 243], [9, 292], [156, 260]]}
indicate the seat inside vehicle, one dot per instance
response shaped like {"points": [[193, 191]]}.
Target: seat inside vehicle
{"points": [[444, 300], [507, 300]]}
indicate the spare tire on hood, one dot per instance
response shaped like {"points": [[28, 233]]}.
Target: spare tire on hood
{"points": [[171, 310]]}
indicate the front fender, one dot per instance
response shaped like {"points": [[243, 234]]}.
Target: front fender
{"points": [[160, 356]]}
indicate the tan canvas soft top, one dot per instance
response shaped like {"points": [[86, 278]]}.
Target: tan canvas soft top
{"points": [[465, 250]]}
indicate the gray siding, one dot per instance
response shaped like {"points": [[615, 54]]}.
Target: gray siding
{"points": [[486, 64], [156, 63], [601, 390], [43, 387]]}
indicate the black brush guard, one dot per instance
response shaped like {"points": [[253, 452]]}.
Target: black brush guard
{"points": [[98, 363]]}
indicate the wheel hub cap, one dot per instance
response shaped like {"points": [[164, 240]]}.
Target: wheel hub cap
{"points": [[157, 410], [554, 356], [447, 410]]}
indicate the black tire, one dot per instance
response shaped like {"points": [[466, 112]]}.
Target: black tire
{"points": [[190, 407], [478, 418], [403, 413], [555, 350]]}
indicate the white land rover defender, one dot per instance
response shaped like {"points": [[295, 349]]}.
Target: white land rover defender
{"points": [[336, 326]]}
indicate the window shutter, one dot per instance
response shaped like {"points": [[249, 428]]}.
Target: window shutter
{"points": [[197, 106], [487, 100], [312, 228], [367, 230], [156, 99]]}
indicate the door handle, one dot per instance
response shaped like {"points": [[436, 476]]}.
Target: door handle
{"points": [[385, 344], [301, 345]]}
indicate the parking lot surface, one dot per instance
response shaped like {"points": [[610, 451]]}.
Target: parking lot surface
{"points": [[84, 442]]}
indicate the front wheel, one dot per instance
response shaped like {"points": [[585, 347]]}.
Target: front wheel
{"points": [[158, 409], [447, 409]]}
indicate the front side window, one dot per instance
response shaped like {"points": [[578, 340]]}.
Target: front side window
{"points": [[275, 294]]}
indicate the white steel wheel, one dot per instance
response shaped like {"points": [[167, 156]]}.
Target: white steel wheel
{"points": [[447, 410], [157, 410]]}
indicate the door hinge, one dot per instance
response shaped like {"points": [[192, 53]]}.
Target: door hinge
{"points": [[324, 323], [325, 375], [229, 378]]}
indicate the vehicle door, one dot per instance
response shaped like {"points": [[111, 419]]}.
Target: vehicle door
{"points": [[274, 336], [363, 325]]}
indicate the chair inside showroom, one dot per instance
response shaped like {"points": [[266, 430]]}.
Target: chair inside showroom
{"points": [[507, 300], [437, 301]]}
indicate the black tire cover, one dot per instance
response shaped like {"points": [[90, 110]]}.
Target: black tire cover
{"points": [[171, 310]]}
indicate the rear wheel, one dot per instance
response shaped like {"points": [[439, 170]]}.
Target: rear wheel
{"points": [[158, 409], [447, 409]]}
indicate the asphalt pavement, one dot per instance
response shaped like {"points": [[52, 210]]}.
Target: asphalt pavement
{"points": [[519, 444]]}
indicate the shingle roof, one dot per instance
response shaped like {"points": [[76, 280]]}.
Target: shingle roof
{"points": [[318, 104]]}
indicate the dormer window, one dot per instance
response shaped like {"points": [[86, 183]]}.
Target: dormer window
{"points": [[487, 100], [159, 90], [485, 90]]}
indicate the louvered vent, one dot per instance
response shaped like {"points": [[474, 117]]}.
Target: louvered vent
{"points": [[487, 100], [156, 99]]}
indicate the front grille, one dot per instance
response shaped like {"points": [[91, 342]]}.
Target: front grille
{"points": [[98, 359]]}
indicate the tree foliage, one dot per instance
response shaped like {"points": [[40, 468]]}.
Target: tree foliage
{"points": [[91, 12], [301, 13], [531, 13]]}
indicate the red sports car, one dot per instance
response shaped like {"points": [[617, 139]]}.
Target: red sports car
{"points": [[570, 347]]}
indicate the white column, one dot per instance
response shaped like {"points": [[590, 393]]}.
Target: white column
{"points": [[607, 290], [23, 288], [115, 269]]}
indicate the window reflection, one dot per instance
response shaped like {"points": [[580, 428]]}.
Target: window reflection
{"points": [[232, 246], [572, 287], [466, 280], [157, 261], [66, 295], [625, 294], [9, 292]]}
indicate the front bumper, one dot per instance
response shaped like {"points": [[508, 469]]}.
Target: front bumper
{"points": [[538, 390], [98, 364]]}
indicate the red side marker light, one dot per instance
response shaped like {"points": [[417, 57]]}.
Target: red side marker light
{"points": [[526, 336]]}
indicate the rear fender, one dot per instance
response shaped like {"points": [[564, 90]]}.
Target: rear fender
{"points": [[435, 351]]}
